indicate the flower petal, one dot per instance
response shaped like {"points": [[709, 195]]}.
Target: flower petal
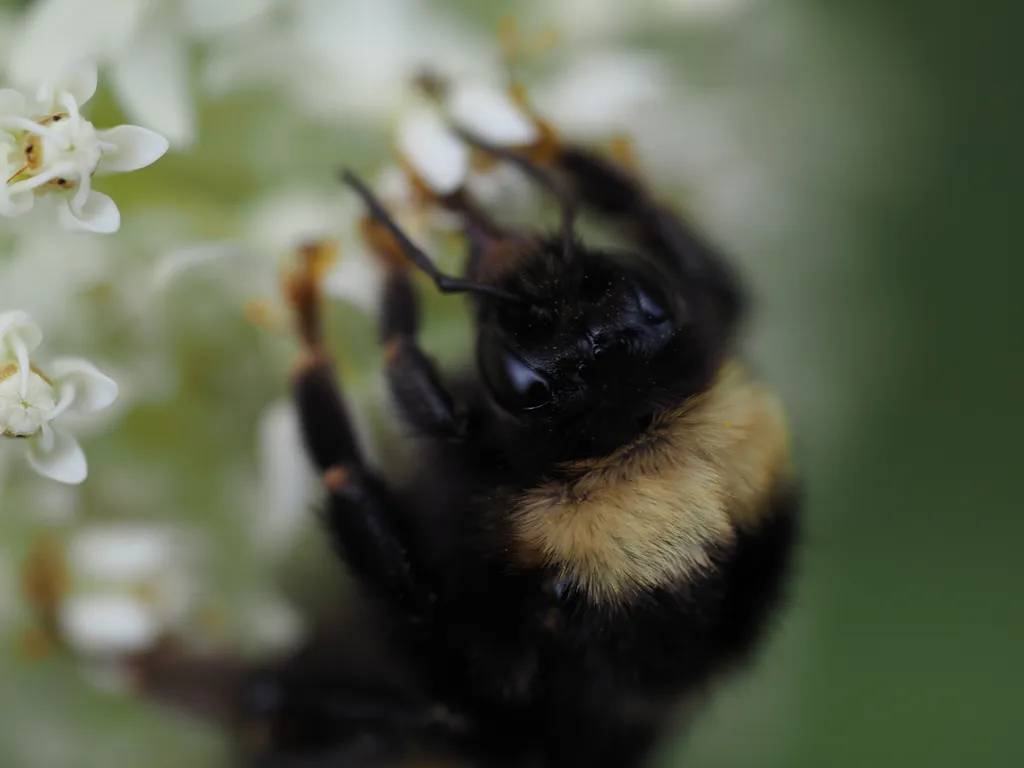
{"points": [[107, 624], [204, 19], [183, 258], [99, 215], [602, 93], [151, 84], [503, 188], [15, 206], [15, 321], [492, 115], [136, 148], [393, 185], [287, 476], [120, 552], [288, 217], [64, 462], [356, 280], [11, 102], [59, 35], [80, 82], [439, 158], [94, 391]]}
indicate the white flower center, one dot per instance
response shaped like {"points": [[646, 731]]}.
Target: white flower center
{"points": [[26, 402], [67, 142], [58, 152]]}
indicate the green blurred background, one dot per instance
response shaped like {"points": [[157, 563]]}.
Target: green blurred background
{"points": [[904, 642], [911, 596]]}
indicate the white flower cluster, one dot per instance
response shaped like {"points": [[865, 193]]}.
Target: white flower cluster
{"points": [[34, 400], [112, 591], [143, 44], [431, 156], [128, 585]]}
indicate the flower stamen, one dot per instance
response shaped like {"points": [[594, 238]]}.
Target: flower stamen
{"points": [[37, 127], [57, 174], [17, 173]]}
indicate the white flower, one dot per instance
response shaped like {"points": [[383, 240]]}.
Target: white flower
{"points": [[143, 45], [288, 484], [440, 159], [277, 226], [491, 114], [603, 20], [131, 585], [32, 401], [48, 148], [426, 142], [107, 624], [606, 91], [350, 60]]}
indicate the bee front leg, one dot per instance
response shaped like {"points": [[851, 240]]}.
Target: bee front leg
{"points": [[416, 386], [362, 515], [712, 283]]}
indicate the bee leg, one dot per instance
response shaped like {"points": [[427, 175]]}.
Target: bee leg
{"points": [[614, 192], [364, 521], [384, 231], [361, 514], [492, 248], [327, 724], [481, 231], [415, 384], [539, 176]]}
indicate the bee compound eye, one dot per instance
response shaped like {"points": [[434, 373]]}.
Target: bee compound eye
{"points": [[651, 301], [513, 383]]}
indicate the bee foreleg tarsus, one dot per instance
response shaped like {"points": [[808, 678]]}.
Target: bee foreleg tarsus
{"points": [[415, 384], [419, 393], [324, 422], [326, 428]]}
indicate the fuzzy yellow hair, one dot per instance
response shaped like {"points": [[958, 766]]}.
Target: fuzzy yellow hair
{"points": [[648, 514]]}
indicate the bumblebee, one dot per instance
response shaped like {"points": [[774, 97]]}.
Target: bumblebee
{"points": [[602, 517]]}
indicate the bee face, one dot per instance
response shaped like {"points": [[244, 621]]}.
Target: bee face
{"points": [[594, 338]]}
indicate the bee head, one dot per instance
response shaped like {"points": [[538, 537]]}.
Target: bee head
{"points": [[592, 347]]}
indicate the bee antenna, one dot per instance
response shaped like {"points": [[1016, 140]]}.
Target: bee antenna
{"points": [[540, 176], [445, 283]]}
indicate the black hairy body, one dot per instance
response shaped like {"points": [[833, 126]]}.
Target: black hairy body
{"points": [[600, 523]]}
